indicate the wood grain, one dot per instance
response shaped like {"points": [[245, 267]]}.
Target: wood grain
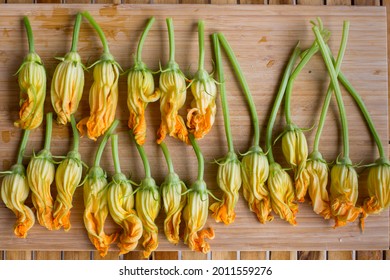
{"points": [[283, 255], [340, 255], [166, 255], [189, 255], [77, 255], [17, 255], [259, 255], [224, 255], [47, 255], [135, 255], [369, 255]]}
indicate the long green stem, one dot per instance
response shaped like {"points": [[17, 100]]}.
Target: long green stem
{"points": [[167, 156], [222, 90], [336, 86], [325, 106], [171, 35], [76, 31], [201, 44], [30, 36], [22, 147], [199, 156], [48, 133], [142, 39], [76, 137], [143, 156], [278, 101], [100, 32], [115, 154], [102, 144], [244, 85]]}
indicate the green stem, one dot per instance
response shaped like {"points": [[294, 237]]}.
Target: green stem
{"points": [[201, 44], [102, 144], [143, 156], [222, 89], [30, 36], [115, 154], [22, 147], [48, 133], [199, 156], [287, 108], [244, 85], [171, 34], [76, 137], [167, 156], [325, 106], [100, 32], [336, 86], [278, 101], [142, 39], [76, 31]]}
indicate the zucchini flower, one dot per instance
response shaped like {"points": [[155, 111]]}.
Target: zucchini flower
{"points": [[148, 205], [32, 84], [120, 198], [174, 200], [196, 211], [67, 178], [172, 90], [201, 117], [40, 176], [15, 190], [68, 80], [103, 94], [140, 91], [95, 200]]}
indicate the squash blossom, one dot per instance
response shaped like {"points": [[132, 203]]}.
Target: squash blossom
{"points": [[67, 178], [15, 190], [68, 81], [201, 116], [172, 90], [140, 91], [32, 84], [40, 176], [103, 94]]}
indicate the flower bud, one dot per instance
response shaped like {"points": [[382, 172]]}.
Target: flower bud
{"points": [[282, 193], [121, 206], [32, 84], [195, 217], [67, 86], [96, 210], [14, 192], [148, 204], [172, 190]]}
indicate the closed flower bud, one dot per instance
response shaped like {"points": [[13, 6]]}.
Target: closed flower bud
{"points": [[14, 192], [172, 190], [229, 181], [67, 178], [282, 193], [32, 84], [254, 173], [195, 217], [96, 210], [294, 147], [103, 98], [344, 194], [67, 86], [148, 204], [121, 205]]}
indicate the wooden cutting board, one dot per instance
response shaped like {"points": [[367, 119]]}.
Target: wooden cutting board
{"points": [[262, 37]]}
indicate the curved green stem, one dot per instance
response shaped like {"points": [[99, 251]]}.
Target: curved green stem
{"points": [[167, 156], [100, 32], [143, 156], [76, 31], [244, 85], [102, 144], [336, 86], [222, 90], [76, 137], [115, 154], [48, 133], [278, 101], [30, 36], [142, 39], [171, 35], [201, 44], [22, 147], [325, 106], [199, 156]]}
